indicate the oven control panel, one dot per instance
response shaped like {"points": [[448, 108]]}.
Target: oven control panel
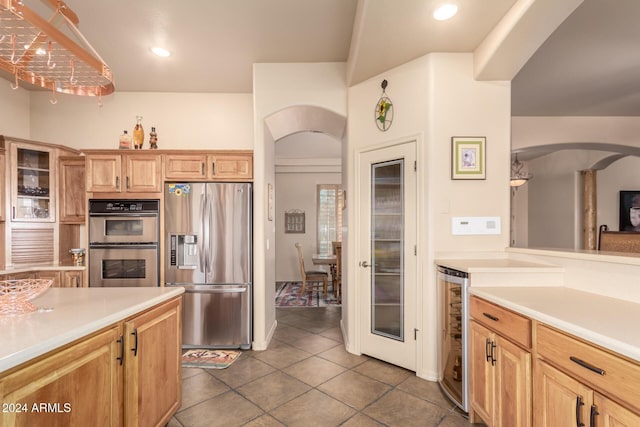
{"points": [[123, 206]]}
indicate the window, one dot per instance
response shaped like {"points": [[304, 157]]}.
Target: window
{"points": [[329, 216]]}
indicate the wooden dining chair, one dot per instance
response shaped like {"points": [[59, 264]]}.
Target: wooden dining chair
{"points": [[311, 276], [337, 280]]}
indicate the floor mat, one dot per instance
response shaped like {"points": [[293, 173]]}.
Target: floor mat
{"points": [[209, 359], [288, 295]]}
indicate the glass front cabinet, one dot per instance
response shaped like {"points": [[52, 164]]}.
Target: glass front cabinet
{"points": [[32, 183]]}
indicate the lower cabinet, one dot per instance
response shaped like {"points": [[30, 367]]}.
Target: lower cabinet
{"points": [[500, 379], [128, 374]]}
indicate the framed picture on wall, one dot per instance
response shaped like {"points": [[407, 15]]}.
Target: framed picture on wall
{"points": [[630, 211], [468, 157]]}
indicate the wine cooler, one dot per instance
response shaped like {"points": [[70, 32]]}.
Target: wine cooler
{"points": [[454, 319]]}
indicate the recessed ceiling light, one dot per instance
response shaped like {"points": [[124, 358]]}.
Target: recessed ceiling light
{"points": [[160, 51], [446, 11]]}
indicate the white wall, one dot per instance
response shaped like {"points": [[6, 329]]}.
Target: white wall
{"points": [[183, 120], [14, 110], [278, 86], [436, 97], [298, 191]]}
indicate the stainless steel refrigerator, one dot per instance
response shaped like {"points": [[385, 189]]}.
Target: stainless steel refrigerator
{"points": [[208, 250]]}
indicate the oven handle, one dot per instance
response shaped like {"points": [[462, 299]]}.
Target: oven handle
{"points": [[215, 291], [123, 214], [153, 246]]}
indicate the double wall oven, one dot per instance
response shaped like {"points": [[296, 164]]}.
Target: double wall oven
{"points": [[124, 243]]}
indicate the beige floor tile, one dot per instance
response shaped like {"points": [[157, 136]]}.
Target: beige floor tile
{"points": [[333, 333], [190, 372], [289, 334], [273, 390], [228, 409], [427, 390], [354, 389], [173, 423], [361, 420], [315, 343], [342, 357], [401, 409], [313, 409], [200, 387], [456, 420], [314, 370], [242, 372], [264, 421], [281, 356], [385, 372]]}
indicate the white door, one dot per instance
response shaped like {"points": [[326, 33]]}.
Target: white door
{"points": [[387, 272]]}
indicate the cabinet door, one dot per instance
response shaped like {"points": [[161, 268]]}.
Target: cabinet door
{"points": [[152, 367], [231, 166], [71, 189], [144, 173], [513, 385], [481, 371], [185, 167], [3, 188], [72, 279], [610, 414], [559, 400], [104, 173], [49, 274], [78, 386], [32, 183]]}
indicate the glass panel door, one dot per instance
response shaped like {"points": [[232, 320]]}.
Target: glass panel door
{"points": [[387, 241], [33, 191]]}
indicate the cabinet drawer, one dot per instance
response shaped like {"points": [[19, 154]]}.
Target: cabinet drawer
{"points": [[618, 377], [505, 322]]}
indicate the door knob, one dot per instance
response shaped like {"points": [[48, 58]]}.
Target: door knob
{"points": [[364, 264]]}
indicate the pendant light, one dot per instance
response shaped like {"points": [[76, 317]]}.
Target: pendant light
{"points": [[518, 176]]}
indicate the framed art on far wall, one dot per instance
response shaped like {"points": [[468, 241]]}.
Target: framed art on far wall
{"points": [[629, 211], [468, 157]]}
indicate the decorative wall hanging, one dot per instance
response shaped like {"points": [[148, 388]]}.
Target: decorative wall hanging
{"points": [[629, 211], [294, 221], [468, 157], [384, 110]]}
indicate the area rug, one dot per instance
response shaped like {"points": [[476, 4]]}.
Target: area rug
{"points": [[287, 295], [209, 359]]}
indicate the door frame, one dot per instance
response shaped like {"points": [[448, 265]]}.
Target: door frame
{"points": [[355, 293]]}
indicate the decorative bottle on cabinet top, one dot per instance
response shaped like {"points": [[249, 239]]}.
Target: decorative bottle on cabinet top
{"points": [[153, 139], [138, 134], [125, 141]]}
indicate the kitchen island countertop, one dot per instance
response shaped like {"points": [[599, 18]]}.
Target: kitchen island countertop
{"points": [[608, 322], [68, 314]]}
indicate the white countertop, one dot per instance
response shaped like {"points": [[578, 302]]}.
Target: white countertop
{"points": [[609, 322], [495, 265], [77, 312]]}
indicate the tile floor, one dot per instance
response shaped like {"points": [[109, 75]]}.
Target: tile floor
{"points": [[306, 378]]}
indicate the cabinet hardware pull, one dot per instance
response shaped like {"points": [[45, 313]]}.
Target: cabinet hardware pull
{"points": [[127, 182], [579, 403], [213, 168], [202, 168], [135, 346], [488, 316], [587, 366], [14, 212], [486, 349], [594, 414], [121, 342], [117, 182], [493, 349]]}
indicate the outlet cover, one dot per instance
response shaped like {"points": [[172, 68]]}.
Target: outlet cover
{"points": [[475, 225]]}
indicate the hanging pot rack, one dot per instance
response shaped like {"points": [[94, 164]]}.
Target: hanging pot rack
{"points": [[38, 52]]}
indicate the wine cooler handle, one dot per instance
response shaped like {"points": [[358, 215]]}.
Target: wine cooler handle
{"points": [[579, 403]]}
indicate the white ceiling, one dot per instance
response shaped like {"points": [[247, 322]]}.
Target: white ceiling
{"points": [[587, 67]]}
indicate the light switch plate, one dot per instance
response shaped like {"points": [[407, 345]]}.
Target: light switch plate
{"points": [[475, 225]]}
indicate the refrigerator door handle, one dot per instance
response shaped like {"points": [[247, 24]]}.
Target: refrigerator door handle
{"points": [[206, 231], [203, 238]]}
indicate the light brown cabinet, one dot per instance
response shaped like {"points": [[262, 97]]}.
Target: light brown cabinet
{"points": [[71, 189], [118, 173], [80, 385], [50, 274], [224, 166], [72, 279], [500, 367], [576, 382], [3, 188], [128, 374]]}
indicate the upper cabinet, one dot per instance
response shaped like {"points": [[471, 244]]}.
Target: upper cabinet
{"points": [[32, 183], [119, 173], [71, 190], [223, 166], [3, 189]]}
